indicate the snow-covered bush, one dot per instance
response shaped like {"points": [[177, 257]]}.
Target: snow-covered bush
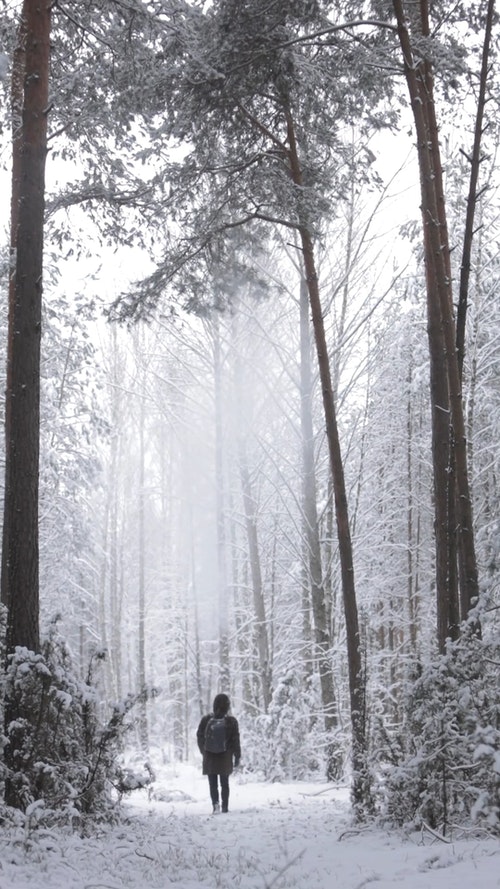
{"points": [[487, 753], [446, 762], [286, 743], [57, 754]]}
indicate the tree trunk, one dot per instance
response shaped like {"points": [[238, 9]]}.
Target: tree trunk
{"points": [[115, 593], [16, 105], [196, 621], [141, 648], [360, 786], [20, 569], [412, 529], [240, 610], [312, 537], [463, 295], [260, 621], [224, 671], [20, 555], [475, 162], [439, 295], [444, 514]]}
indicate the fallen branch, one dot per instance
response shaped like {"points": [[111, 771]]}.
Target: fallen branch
{"points": [[433, 833], [353, 832], [331, 789]]}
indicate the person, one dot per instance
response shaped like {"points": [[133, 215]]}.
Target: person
{"points": [[219, 766]]}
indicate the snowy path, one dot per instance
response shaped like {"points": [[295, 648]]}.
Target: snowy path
{"points": [[291, 836]]}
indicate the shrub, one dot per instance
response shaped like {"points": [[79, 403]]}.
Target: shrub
{"points": [[287, 742], [446, 763], [56, 751]]}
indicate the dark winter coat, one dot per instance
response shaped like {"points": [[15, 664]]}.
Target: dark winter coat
{"points": [[220, 763]]}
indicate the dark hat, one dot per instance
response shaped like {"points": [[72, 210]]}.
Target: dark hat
{"points": [[221, 705]]}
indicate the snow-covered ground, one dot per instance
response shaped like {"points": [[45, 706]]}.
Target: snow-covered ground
{"points": [[284, 836]]}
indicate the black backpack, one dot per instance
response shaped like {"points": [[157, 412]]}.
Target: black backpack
{"points": [[215, 735]]}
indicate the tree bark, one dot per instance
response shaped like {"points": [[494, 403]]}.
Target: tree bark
{"points": [[242, 634], [260, 621], [20, 569], [412, 529], [419, 79], [141, 647], [465, 267], [224, 670], [20, 554], [443, 482], [316, 582], [475, 163], [360, 785], [16, 106]]}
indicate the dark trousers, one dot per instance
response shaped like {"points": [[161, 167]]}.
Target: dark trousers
{"points": [[214, 789]]}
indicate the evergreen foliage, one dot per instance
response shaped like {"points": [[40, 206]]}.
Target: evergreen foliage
{"points": [[58, 755], [446, 763], [287, 743]]}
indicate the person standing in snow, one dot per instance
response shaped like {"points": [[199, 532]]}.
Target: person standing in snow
{"points": [[218, 738]]}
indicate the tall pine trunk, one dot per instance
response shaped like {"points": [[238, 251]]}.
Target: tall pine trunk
{"points": [[141, 641], [224, 669], [360, 783], [20, 555], [260, 620], [319, 599], [20, 569], [472, 198], [16, 109], [442, 331], [243, 427]]}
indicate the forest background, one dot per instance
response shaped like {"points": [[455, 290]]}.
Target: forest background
{"points": [[208, 165]]}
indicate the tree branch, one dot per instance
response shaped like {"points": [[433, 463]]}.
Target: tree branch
{"points": [[263, 129]]}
